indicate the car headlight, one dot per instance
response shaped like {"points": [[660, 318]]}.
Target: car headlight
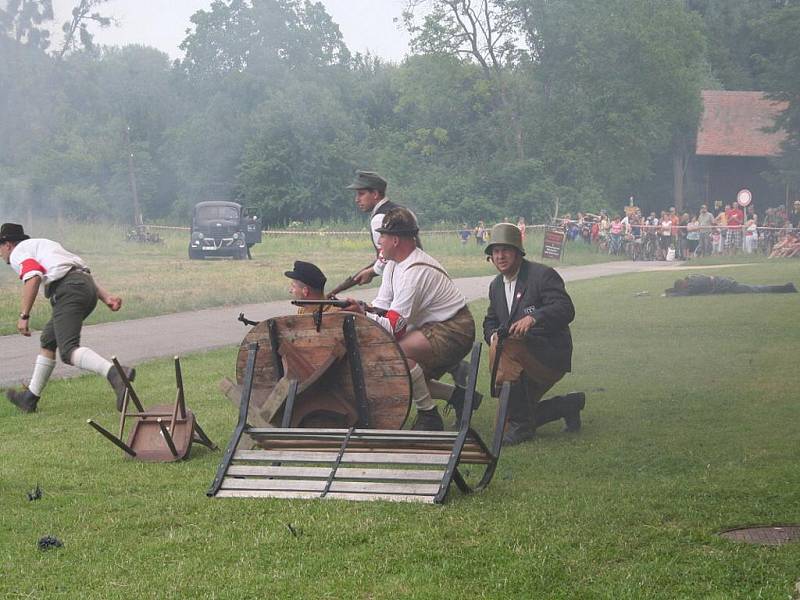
{"points": [[197, 235], [236, 236]]}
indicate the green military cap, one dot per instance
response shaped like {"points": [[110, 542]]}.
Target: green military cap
{"points": [[368, 180]]}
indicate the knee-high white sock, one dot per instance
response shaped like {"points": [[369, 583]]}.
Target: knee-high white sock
{"points": [[89, 360], [419, 390], [41, 373], [439, 390]]}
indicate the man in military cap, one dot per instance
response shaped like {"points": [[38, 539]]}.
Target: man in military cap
{"points": [[73, 295], [370, 196], [425, 311], [307, 283], [527, 328]]}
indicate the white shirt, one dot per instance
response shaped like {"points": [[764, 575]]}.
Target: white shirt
{"points": [[45, 258], [419, 294], [510, 284]]}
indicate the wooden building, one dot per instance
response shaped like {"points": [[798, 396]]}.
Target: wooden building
{"points": [[733, 149]]}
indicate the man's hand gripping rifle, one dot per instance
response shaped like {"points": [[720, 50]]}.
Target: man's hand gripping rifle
{"points": [[351, 281]]}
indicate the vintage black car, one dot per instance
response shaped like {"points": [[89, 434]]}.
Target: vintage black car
{"points": [[222, 228]]}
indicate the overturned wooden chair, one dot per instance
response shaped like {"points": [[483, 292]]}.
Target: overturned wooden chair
{"points": [[356, 463], [161, 433]]}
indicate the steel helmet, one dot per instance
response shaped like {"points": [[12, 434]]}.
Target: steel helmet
{"points": [[508, 234]]}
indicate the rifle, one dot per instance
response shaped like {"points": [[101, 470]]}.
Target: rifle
{"points": [[347, 283], [502, 334], [247, 322], [381, 312]]}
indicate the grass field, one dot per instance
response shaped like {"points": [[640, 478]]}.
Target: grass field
{"points": [[690, 428], [160, 279]]}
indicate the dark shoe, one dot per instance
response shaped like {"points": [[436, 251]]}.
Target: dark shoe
{"points": [[460, 373], [428, 420], [574, 402], [516, 433], [25, 400], [457, 402], [119, 386], [789, 289]]}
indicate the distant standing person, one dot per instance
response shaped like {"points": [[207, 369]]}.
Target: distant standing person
{"points": [[480, 234], [464, 234], [521, 227], [73, 295]]}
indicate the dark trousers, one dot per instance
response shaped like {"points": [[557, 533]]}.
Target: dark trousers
{"points": [[73, 298]]}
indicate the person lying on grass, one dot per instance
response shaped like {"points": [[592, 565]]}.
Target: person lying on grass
{"points": [[695, 285]]}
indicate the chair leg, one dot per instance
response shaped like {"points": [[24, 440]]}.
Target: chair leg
{"points": [[112, 438]]}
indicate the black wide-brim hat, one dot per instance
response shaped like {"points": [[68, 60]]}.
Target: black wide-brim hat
{"points": [[12, 232], [308, 273]]}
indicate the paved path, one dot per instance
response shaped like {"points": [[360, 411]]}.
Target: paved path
{"points": [[181, 333]]}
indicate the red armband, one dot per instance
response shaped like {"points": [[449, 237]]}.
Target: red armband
{"points": [[29, 265], [397, 322]]}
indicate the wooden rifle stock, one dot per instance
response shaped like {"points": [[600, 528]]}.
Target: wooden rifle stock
{"points": [[347, 283]]}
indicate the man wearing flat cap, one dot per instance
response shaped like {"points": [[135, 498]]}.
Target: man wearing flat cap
{"points": [[425, 312], [370, 196], [73, 295], [527, 323], [307, 283]]}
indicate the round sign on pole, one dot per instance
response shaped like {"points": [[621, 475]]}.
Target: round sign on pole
{"points": [[744, 197]]}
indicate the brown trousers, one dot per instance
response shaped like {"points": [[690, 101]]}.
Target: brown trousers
{"points": [[515, 361]]}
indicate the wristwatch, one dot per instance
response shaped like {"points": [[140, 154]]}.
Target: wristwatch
{"points": [[24, 316]]}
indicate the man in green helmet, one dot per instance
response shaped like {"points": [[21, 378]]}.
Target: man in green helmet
{"points": [[527, 323]]}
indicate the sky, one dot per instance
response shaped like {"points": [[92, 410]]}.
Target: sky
{"points": [[367, 25]]}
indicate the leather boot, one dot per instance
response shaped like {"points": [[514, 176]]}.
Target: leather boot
{"points": [[520, 426], [567, 407], [456, 401], [25, 400], [574, 402], [428, 420], [118, 385]]}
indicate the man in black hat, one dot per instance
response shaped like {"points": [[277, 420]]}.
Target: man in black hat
{"points": [[527, 329], [307, 283], [73, 295], [425, 312]]}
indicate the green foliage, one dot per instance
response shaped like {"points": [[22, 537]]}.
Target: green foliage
{"points": [[507, 107]]}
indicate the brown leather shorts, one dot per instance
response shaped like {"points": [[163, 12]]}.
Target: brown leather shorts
{"points": [[450, 340]]}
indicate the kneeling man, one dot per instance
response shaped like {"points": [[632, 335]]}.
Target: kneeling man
{"points": [[425, 312], [528, 324]]}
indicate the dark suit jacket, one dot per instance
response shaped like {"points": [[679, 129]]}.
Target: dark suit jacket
{"points": [[539, 292]]}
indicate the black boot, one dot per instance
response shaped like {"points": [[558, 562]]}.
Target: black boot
{"points": [[118, 385], [520, 426], [456, 401], [574, 402], [428, 420], [567, 407], [25, 400]]}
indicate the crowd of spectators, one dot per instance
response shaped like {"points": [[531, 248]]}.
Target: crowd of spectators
{"points": [[680, 236]]}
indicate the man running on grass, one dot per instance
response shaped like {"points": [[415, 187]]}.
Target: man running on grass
{"points": [[73, 295]]}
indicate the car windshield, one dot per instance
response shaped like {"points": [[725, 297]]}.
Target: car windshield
{"points": [[214, 213]]}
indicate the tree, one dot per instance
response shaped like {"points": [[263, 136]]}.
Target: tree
{"points": [[21, 20], [777, 60], [76, 30]]}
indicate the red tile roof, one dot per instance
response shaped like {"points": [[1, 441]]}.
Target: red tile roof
{"points": [[733, 123]]}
